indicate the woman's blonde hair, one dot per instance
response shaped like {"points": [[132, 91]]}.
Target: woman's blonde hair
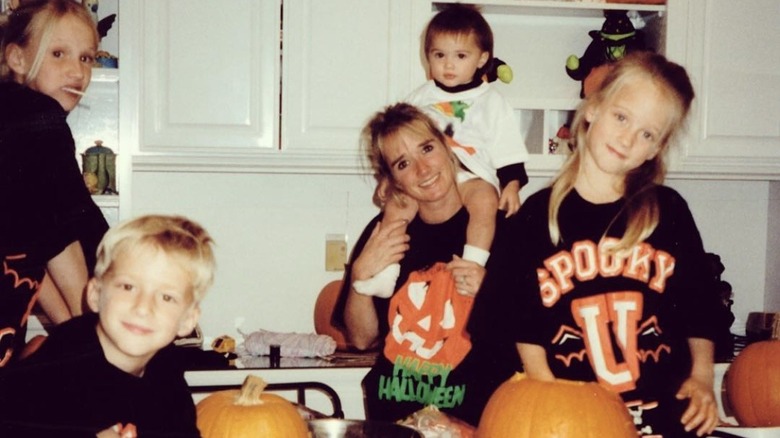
{"points": [[35, 21], [641, 204], [385, 127], [178, 237]]}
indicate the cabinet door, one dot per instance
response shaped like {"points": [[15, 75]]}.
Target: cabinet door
{"points": [[209, 75], [342, 61], [733, 57]]}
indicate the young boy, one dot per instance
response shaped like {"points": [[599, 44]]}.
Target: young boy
{"points": [[113, 370], [481, 128]]}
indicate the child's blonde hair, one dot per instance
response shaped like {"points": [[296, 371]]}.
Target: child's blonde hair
{"points": [[641, 205], [35, 21], [178, 237], [384, 127]]}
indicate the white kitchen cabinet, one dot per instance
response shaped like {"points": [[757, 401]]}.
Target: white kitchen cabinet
{"points": [[732, 52], [267, 86], [208, 75], [342, 61]]}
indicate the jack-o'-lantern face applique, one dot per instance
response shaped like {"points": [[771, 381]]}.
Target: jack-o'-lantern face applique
{"points": [[428, 318]]}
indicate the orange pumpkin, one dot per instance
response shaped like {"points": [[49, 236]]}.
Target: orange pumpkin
{"points": [[249, 413], [523, 407], [753, 385], [323, 311]]}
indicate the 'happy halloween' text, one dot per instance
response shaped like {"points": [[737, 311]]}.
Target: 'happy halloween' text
{"points": [[421, 381]]}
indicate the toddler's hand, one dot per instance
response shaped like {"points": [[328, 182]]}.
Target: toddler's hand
{"points": [[510, 198]]}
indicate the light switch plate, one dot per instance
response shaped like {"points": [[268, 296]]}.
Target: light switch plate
{"points": [[335, 252]]}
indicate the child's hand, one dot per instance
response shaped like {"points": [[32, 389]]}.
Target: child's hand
{"points": [[702, 412], [510, 198]]}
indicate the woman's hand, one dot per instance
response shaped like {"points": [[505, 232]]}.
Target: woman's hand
{"points": [[468, 275], [702, 412], [384, 247]]}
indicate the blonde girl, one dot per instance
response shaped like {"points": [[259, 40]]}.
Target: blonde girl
{"points": [[613, 283], [49, 221]]}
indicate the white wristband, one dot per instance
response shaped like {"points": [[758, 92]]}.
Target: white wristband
{"points": [[476, 255]]}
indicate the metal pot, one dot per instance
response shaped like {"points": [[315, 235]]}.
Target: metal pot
{"points": [[761, 326], [337, 428]]}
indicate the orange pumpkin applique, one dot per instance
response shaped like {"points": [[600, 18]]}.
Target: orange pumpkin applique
{"points": [[427, 319]]}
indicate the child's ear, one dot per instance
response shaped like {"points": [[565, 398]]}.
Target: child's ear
{"points": [[591, 111], [93, 295], [16, 60], [189, 321], [483, 59]]}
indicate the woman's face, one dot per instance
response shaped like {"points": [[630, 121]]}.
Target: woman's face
{"points": [[421, 167], [67, 62]]}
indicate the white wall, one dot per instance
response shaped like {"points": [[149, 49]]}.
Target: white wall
{"points": [[270, 232]]}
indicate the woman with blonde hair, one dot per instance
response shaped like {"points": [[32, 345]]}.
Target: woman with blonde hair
{"points": [[439, 338]]}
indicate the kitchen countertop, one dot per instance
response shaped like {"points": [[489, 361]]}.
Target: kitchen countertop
{"points": [[337, 360]]}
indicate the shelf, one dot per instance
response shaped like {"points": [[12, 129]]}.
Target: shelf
{"points": [[102, 74], [106, 201], [556, 7]]}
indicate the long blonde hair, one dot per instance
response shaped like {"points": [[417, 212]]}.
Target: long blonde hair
{"points": [[641, 203], [33, 21]]}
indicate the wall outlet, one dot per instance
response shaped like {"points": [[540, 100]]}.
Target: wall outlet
{"points": [[335, 252]]}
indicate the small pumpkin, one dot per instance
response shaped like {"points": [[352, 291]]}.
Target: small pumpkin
{"points": [[249, 413], [753, 385], [323, 312], [522, 407]]}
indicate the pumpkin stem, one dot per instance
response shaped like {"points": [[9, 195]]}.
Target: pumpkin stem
{"points": [[251, 389]]}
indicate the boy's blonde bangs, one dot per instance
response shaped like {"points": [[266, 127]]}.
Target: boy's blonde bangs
{"points": [[184, 240]]}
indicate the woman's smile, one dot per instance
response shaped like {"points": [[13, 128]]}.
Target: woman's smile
{"points": [[429, 181]]}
